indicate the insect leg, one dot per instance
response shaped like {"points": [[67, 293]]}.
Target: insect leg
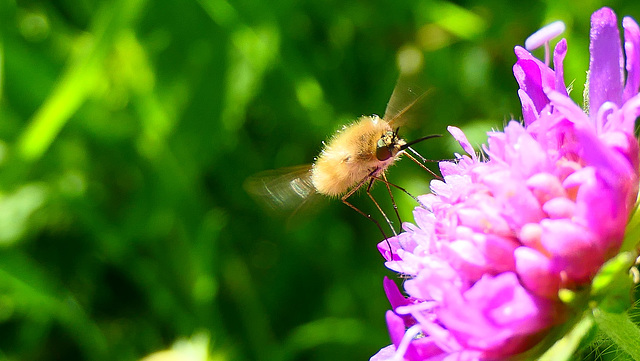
{"points": [[384, 180], [345, 201], [393, 201], [372, 179], [422, 165], [423, 159]]}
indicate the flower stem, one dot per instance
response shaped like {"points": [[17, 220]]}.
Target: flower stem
{"points": [[565, 348], [632, 232]]}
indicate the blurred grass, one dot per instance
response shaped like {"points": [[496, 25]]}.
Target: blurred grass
{"points": [[128, 127]]}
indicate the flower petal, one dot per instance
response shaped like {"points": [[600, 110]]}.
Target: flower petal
{"points": [[558, 65], [632, 51], [500, 235], [535, 271], [533, 76], [462, 139], [573, 248], [393, 293], [606, 78], [529, 112], [385, 354]]}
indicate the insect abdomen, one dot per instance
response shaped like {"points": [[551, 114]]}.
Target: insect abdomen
{"points": [[334, 174]]}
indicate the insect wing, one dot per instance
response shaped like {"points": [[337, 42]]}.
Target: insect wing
{"points": [[402, 105], [284, 190]]}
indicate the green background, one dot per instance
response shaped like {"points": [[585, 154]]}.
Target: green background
{"points": [[127, 130]]}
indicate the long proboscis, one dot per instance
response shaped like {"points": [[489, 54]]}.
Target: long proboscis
{"points": [[405, 146]]}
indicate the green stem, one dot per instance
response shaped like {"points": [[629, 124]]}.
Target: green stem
{"points": [[566, 347], [632, 232]]}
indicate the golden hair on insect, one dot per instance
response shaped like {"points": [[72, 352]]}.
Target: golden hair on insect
{"points": [[357, 155], [360, 151]]}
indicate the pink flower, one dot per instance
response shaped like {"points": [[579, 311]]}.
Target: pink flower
{"points": [[548, 205]]}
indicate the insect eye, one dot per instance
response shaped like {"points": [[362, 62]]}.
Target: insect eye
{"points": [[383, 152]]}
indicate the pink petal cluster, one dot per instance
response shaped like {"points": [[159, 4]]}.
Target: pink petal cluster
{"points": [[500, 235]]}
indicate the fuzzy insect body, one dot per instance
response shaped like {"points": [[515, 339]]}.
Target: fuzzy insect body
{"points": [[359, 151]]}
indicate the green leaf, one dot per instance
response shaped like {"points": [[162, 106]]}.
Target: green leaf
{"points": [[612, 285], [619, 328], [78, 80]]}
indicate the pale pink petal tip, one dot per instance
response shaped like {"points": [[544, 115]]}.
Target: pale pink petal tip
{"points": [[544, 35], [462, 139]]}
